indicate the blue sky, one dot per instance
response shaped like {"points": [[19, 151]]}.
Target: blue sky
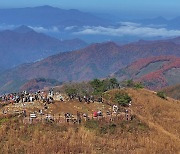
{"points": [[130, 7]]}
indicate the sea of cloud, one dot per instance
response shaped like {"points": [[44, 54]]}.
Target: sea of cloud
{"points": [[120, 30], [130, 29]]}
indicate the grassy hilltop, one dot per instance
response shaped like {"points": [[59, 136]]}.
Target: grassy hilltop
{"points": [[155, 129]]}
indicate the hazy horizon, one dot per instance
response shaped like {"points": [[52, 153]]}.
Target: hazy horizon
{"points": [[120, 8]]}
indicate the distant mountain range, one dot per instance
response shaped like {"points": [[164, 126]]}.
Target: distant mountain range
{"points": [[155, 72], [47, 16], [162, 22], [91, 27], [95, 61], [24, 45], [173, 91]]}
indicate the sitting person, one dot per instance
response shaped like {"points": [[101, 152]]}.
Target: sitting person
{"points": [[61, 98], [95, 114], [99, 113]]}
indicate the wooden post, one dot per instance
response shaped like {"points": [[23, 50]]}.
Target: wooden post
{"points": [[59, 117], [41, 117]]}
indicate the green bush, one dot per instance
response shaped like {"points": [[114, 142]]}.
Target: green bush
{"points": [[161, 94], [71, 91], [103, 130], [97, 86], [107, 129], [138, 86], [91, 124], [3, 120], [129, 83], [122, 99], [112, 128], [132, 84], [113, 82], [100, 86]]}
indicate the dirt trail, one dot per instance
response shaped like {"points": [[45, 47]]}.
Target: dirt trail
{"points": [[158, 128]]}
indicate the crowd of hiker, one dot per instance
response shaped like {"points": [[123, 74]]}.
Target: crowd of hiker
{"points": [[85, 98], [71, 94], [79, 117], [48, 97], [24, 97]]}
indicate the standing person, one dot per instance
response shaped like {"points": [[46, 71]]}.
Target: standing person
{"points": [[85, 116], [92, 99], [79, 98], [61, 98], [24, 113], [127, 114], [78, 117]]}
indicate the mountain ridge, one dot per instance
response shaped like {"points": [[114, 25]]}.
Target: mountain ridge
{"points": [[24, 42], [95, 61], [32, 16]]}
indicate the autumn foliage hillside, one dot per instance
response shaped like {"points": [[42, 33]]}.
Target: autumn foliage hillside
{"points": [[154, 72]]}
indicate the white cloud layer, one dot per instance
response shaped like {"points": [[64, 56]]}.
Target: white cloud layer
{"points": [[37, 29], [70, 28], [131, 29], [46, 30], [5, 27]]}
